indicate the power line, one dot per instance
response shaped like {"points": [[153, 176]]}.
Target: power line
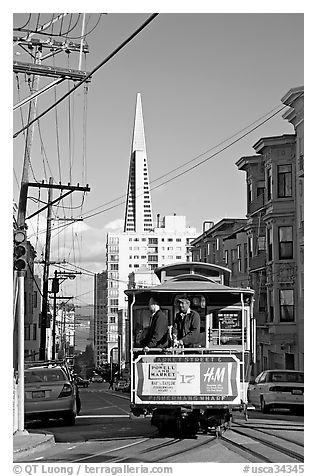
{"points": [[89, 75], [191, 160], [196, 165]]}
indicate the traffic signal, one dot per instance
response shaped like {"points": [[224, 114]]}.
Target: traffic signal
{"points": [[20, 252]]}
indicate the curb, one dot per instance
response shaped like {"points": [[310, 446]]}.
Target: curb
{"points": [[32, 443]]}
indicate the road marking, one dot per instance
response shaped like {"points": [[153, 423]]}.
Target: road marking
{"points": [[40, 457], [72, 447], [116, 406], [110, 451], [103, 416]]}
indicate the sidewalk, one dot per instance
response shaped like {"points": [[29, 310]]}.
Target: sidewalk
{"points": [[26, 442]]}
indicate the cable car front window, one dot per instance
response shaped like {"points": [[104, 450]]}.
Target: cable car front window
{"points": [[225, 327]]}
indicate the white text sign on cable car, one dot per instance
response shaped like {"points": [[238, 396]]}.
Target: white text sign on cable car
{"points": [[187, 378]]}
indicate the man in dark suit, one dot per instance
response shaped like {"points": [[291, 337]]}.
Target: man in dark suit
{"points": [[157, 333], [186, 329]]}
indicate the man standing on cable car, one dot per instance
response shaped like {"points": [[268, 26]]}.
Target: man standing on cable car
{"points": [[157, 333], [186, 329]]}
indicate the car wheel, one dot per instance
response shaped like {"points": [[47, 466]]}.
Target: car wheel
{"points": [[264, 408], [70, 419]]}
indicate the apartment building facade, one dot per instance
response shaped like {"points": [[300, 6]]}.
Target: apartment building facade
{"points": [[267, 252]]}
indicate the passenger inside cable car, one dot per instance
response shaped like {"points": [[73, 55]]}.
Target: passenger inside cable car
{"points": [[218, 325]]}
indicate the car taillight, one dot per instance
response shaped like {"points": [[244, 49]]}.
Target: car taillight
{"points": [[66, 391]]}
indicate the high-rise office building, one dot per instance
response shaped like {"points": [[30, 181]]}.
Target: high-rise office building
{"points": [[133, 254]]}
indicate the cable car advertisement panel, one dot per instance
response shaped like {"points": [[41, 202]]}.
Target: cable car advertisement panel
{"points": [[191, 379]]}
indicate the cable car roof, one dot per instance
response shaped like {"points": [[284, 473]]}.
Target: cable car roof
{"points": [[190, 287]]}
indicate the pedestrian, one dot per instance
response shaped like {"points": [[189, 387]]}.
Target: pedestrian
{"points": [[111, 383], [157, 332], [186, 328]]}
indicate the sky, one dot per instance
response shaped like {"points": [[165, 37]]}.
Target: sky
{"points": [[205, 78]]}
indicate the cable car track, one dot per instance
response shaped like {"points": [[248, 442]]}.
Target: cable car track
{"points": [[260, 430], [274, 446]]}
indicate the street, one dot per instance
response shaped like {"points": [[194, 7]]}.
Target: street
{"points": [[105, 432]]}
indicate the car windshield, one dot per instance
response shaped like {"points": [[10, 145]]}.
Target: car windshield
{"points": [[286, 377], [45, 375]]}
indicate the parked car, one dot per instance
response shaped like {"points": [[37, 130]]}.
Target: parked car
{"points": [[277, 389], [50, 392], [82, 382], [122, 384], [97, 378]]}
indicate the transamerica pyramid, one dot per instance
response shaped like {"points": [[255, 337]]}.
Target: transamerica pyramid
{"points": [[138, 212]]}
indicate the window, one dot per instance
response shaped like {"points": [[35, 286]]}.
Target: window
{"points": [[114, 267], [178, 239], [286, 305], [269, 183], [34, 331], [113, 240], [262, 302], [27, 333], [261, 243], [245, 252], [178, 257], [169, 239], [271, 304], [270, 244], [249, 193], [153, 241], [284, 180], [114, 302], [250, 243], [34, 298], [285, 242]]}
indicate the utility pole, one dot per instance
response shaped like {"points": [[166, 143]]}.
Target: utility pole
{"points": [[55, 290], [46, 273], [20, 281], [35, 47]]}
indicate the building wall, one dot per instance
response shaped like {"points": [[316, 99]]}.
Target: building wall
{"points": [[271, 232], [32, 306], [294, 98]]}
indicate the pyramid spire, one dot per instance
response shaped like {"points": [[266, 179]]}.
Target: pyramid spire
{"points": [[138, 214]]}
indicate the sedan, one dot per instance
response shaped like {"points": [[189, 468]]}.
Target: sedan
{"points": [[277, 389], [82, 382], [123, 385], [49, 392], [97, 378]]}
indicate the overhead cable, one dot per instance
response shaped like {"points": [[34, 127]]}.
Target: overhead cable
{"points": [[89, 75]]}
